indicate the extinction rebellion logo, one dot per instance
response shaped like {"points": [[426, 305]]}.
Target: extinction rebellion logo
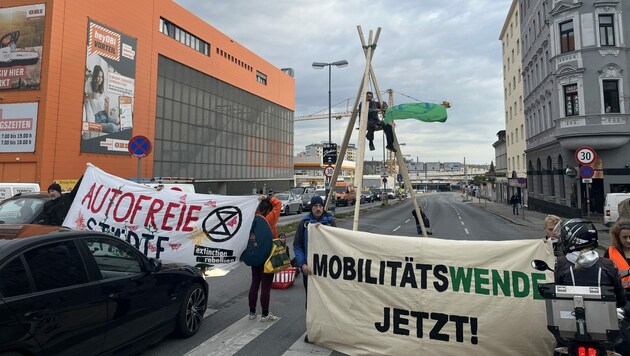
{"points": [[223, 223]]}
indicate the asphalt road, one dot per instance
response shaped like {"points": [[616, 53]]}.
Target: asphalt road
{"points": [[226, 330]]}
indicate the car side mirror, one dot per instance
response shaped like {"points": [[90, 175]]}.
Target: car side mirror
{"points": [[154, 265]]}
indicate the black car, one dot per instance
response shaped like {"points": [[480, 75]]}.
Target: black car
{"points": [[376, 193], [367, 196], [23, 208], [87, 293], [306, 200]]}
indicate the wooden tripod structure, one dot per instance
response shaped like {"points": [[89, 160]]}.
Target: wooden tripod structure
{"points": [[368, 75]]}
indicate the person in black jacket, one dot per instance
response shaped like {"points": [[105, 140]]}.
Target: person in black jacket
{"points": [[55, 210], [374, 123], [581, 265]]}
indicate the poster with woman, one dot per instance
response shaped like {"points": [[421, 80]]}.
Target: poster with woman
{"points": [[108, 96]]}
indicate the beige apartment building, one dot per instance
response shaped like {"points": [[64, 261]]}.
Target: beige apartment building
{"points": [[515, 136]]}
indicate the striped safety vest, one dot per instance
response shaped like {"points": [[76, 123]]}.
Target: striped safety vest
{"points": [[622, 265]]}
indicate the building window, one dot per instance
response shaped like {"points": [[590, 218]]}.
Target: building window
{"points": [[571, 103], [567, 37], [606, 30], [177, 33], [611, 95], [261, 78]]}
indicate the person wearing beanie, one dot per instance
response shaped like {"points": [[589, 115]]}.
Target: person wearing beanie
{"points": [[317, 215], [54, 190], [56, 209]]}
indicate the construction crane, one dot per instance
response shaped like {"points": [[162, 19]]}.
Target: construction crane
{"points": [[336, 115]]}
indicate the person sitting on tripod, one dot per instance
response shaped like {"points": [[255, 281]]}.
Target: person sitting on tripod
{"points": [[375, 124]]}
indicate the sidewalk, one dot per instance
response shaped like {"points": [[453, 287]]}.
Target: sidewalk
{"points": [[534, 219]]}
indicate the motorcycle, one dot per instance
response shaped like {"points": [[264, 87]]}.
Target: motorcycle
{"points": [[583, 319]]}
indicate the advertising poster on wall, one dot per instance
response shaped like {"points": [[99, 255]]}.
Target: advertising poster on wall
{"points": [[21, 39], [108, 102], [18, 125]]}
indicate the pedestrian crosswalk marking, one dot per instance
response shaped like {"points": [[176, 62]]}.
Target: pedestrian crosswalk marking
{"points": [[301, 348], [232, 339]]}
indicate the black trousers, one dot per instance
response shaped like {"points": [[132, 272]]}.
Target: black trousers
{"points": [[389, 133]]}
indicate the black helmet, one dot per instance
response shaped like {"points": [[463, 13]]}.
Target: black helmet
{"points": [[577, 234]]}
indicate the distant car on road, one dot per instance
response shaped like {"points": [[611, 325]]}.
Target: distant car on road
{"points": [[290, 203], [322, 193], [376, 192], [306, 200], [367, 197], [24, 208], [86, 293]]}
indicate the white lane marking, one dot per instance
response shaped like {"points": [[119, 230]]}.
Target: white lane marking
{"points": [[232, 339], [406, 221], [397, 228], [467, 233], [209, 312], [300, 348], [462, 222]]}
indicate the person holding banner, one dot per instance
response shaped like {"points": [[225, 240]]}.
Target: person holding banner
{"points": [[269, 208], [300, 243], [55, 210]]}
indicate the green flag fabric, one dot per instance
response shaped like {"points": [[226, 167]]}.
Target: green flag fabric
{"points": [[426, 112]]}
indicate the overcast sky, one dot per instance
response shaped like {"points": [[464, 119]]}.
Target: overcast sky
{"points": [[428, 50]]}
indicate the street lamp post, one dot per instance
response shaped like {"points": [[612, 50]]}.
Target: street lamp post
{"points": [[321, 65]]}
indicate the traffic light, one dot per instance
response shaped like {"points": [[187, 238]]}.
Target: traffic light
{"points": [[446, 104]]}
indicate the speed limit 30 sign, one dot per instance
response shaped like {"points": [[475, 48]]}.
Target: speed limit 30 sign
{"points": [[585, 155]]}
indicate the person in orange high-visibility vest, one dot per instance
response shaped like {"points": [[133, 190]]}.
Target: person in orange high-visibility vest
{"points": [[619, 252]]}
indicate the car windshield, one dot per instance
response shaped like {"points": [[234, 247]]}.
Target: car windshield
{"points": [[297, 191], [282, 196], [20, 211], [307, 196]]}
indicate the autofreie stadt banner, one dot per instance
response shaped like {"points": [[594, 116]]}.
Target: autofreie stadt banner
{"points": [[394, 295], [197, 229]]}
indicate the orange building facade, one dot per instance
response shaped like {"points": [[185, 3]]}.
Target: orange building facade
{"points": [[78, 79]]}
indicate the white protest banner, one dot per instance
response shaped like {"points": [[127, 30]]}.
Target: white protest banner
{"points": [[394, 295], [197, 229]]}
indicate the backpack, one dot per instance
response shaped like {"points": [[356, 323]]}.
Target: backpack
{"points": [[259, 244]]}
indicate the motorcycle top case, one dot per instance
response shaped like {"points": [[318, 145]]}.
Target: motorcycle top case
{"points": [[600, 308]]}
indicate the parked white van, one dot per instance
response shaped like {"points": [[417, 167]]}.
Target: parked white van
{"points": [[611, 206], [8, 190]]}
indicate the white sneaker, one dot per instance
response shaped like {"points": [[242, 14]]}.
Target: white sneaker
{"points": [[252, 316], [269, 317]]}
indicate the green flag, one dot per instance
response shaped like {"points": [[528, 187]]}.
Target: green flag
{"points": [[426, 112]]}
